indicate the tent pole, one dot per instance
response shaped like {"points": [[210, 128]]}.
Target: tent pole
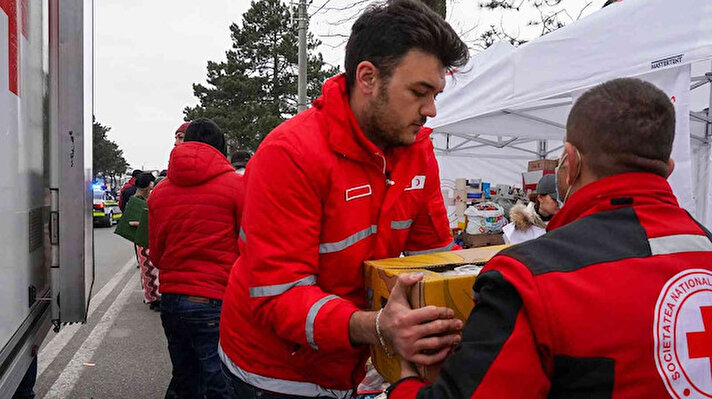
{"points": [[705, 217], [542, 149]]}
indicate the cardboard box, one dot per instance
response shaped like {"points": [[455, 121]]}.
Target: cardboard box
{"points": [[481, 240], [531, 179], [542, 164], [436, 288]]}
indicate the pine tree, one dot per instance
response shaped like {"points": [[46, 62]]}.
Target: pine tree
{"points": [[108, 158], [255, 88], [439, 6]]}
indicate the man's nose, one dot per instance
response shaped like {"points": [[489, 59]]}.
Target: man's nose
{"points": [[429, 109]]}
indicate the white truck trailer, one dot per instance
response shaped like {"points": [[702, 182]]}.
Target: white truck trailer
{"points": [[46, 237]]}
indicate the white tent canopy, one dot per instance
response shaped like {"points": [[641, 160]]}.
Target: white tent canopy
{"points": [[509, 105]]}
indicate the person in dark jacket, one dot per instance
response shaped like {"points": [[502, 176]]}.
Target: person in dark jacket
{"points": [[194, 219], [614, 301], [149, 273], [128, 190]]}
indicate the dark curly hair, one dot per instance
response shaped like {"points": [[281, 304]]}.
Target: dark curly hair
{"points": [[384, 33]]}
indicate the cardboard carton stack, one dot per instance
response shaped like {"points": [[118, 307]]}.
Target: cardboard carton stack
{"points": [[442, 285], [536, 170]]}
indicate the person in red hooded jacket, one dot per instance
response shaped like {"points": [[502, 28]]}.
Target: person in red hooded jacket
{"points": [[194, 217], [615, 300], [353, 178]]}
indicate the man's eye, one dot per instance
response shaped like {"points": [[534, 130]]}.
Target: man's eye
{"points": [[418, 93]]}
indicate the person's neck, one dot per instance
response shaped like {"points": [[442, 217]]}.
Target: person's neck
{"points": [[142, 193], [359, 107], [584, 179]]}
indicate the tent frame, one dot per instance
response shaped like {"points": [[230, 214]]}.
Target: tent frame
{"points": [[543, 151]]}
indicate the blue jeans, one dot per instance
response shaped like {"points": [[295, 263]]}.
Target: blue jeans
{"points": [[192, 327], [241, 390]]}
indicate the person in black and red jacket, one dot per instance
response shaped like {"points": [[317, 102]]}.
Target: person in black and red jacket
{"points": [[615, 300]]}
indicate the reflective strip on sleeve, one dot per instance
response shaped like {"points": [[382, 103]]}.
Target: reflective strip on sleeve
{"points": [[430, 251], [277, 289], [679, 243], [242, 235], [311, 317], [401, 224], [330, 247], [287, 387]]}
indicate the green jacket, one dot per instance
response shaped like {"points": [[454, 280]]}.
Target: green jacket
{"points": [[132, 213]]}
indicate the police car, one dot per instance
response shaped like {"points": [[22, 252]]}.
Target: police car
{"points": [[106, 208]]}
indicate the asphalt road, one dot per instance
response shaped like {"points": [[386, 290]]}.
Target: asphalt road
{"points": [[121, 352]]}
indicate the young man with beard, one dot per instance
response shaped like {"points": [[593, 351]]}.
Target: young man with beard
{"points": [[351, 179], [614, 301]]}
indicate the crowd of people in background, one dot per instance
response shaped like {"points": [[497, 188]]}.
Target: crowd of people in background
{"points": [[261, 289]]}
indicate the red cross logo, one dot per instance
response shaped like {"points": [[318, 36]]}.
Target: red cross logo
{"points": [[10, 8], [699, 344]]}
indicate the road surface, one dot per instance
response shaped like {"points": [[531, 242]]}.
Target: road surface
{"points": [[121, 352]]}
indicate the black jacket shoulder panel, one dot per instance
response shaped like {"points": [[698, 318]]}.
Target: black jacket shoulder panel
{"points": [[602, 237]]}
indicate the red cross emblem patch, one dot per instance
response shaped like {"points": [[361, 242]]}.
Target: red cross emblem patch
{"points": [[683, 334]]}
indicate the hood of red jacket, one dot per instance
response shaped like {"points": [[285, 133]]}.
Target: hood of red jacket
{"points": [[194, 163], [345, 135]]}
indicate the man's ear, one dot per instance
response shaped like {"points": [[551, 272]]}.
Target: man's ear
{"points": [[366, 78], [671, 167], [572, 162]]}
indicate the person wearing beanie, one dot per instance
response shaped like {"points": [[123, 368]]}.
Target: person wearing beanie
{"points": [[180, 133], [194, 220], [239, 160], [129, 189], [547, 198], [149, 274]]}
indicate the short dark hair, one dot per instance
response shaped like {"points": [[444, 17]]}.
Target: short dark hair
{"points": [[623, 125], [206, 131], [144, 180], [136, 172], [240, 158], [386, 32]]}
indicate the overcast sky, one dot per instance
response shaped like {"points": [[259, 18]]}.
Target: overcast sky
{"points": [[149, 53]]}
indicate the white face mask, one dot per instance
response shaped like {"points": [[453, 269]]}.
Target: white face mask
{"points": [[556, 173]]}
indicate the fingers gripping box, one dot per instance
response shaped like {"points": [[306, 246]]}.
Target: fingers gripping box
{"points": [[448, 280]]}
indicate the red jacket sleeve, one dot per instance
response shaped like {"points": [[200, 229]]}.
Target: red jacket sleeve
{"points": [[500, 356], [430, 231], [281, 227]]}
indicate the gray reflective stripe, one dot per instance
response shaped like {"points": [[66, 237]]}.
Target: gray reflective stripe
{"points": [[299, 388], [401, 224], [242, 235], [348, 241], [679, 243], [272, 290], [311, 317], [430, 251]]}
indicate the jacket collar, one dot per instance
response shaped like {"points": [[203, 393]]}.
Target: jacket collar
{"points": [[614, 192], [345, 135]]}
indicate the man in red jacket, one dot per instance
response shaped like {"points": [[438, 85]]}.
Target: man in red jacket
{"points": [[352, 178], [614, 301], [194, 217]]}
